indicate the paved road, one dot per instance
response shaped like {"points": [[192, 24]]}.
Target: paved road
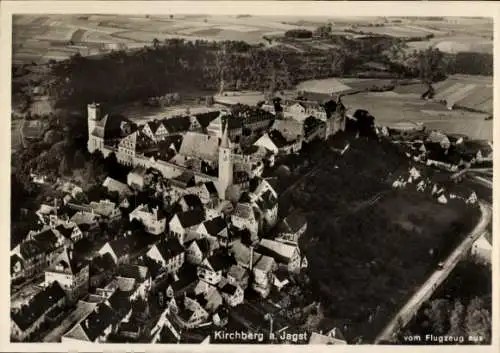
{"points": [[426, 290]]}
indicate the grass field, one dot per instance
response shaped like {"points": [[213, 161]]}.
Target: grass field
{"points": [[338, 85], [410, 108]]}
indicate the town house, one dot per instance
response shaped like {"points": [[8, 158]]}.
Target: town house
{"points": [[119, 249], [71, 274], [232, 293], [153, 218], [216, 231], [197, 250], [291, 228], [169, 254], [184, 223], [284, 254], [212, 268]]}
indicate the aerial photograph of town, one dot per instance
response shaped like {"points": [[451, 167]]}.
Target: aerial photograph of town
{"points": [[244, 179]]}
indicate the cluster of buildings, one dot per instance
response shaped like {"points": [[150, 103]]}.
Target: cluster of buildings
{"points": [[209, 235]]}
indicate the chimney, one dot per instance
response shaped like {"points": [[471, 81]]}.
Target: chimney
{"points": [[250, 265]]}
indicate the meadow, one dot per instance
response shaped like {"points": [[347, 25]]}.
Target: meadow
{"points": [[410, 107]]}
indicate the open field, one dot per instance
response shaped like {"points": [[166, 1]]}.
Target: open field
{"points": [[36, 37], [410, 108], [39, 38], [341, 85]]}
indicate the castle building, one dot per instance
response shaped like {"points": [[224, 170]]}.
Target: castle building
{"points": [[133, 144]]}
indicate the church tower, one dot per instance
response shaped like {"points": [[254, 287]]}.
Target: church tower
{"points": [[225, 164], [93, 116]]}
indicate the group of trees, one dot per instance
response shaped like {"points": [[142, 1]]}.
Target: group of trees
{"points": [[468, 315]]}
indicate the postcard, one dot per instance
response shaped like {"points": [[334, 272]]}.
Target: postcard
{"points": [[249, 173]]}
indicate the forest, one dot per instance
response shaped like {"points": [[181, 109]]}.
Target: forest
{"points": [[175, 65]]}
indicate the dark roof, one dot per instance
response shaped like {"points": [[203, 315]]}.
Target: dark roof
{"points": [[47, 239], [109, 127], [206, 118], [166, 336], [177, 124], [100, 319], [211, 187], [170, 248], [29, 249], [228, 288], [13, 260], [186, 314], [66, 232], [202, 243], [121, 246], [292, 223], [191, 218], [39, 304], [278, 138], [184, 180], [193, 201], [139, 273], [120, 302], [267, 200], [101, 263], [215, 225], [221, 261], [70, 263]]}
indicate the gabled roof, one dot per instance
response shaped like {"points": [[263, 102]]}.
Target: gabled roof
{"points": [[101, 263], [203, 244], [278, 139], [120, 302], [220, 261], [101, 318], [177, 124], [169, 248], [205, 118], [281, 252], [139, 273], [191, 218], [39, 304], [184, 180], [267, 201], [215, 225], [167, 336], [121, 246], [84, 218], [66, 230], [210, 186], [114, 185], [292, 223], [68, 262]]}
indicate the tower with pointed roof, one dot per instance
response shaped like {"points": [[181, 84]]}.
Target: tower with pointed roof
{"points": [[225, 164]]}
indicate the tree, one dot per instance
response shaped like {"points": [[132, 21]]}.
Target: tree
{"points": [[456, 319], [64, 168], [478, 320]]}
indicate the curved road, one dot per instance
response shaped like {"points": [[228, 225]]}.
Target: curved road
{"points": [[426, 290]]}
